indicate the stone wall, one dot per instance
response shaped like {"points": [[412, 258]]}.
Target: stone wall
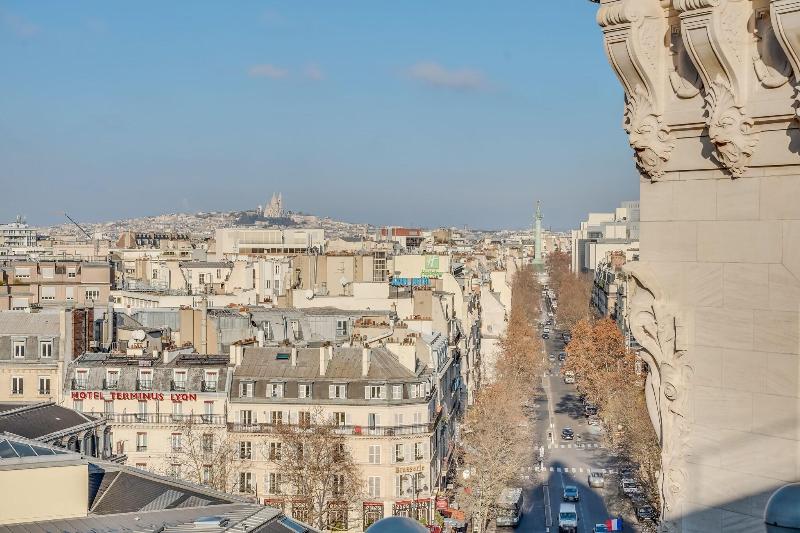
{"points": [[711, 108]]}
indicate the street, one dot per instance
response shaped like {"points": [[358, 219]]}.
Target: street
{"points": [[569, 462]]}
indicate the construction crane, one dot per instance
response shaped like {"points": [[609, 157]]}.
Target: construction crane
{"points": [[93, 239]]}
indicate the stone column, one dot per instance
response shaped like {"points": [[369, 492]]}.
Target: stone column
{"points": [[711, 109]]}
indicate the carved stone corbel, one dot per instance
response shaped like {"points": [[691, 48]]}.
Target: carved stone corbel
{"points": [[716, 36], [660, 330], [634, 33], [785, 16]]}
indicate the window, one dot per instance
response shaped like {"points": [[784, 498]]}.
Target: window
{"points": [[44, 385], [276, 417], [77, 405], [69, 293], [374, 487], [179, 380], [46, 349], [177, 411], [304, 390], [210, 381], [207, 474], [19, 349], [207, 441], [201, 279], [375, 392], [22, 272], [341, 327], [277, 285], [155, 273], [337, 487], [81, 379], [337, 391], [71, 272], [219, 273], [275, 390], [417, 418], [399, 455], [268, 331], [373, 420], [208, 411], [142, 413], [92, 295], [294, 323], [246, 417], [245, 449], [48, 293], [145, 380], [112, 379], [245, 482], [375, 454], [417, 390], [398, 419], [419, 451], [16, 385], [246, 389], [48, 272], [175, 441], [339, 418], [108, 407], [397, 392], [274, 483], [275, 451], [304, 419], [141, 442], [266, 283], [175, 470]]}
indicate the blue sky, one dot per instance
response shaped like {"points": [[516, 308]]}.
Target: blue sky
{"points": [[413, 112]]}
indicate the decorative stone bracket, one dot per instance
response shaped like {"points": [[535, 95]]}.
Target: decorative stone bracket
{"points": [[661, 332], [785, 16], [716, 36], [634, 33]]}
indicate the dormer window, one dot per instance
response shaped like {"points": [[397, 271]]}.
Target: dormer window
{"points": [[275, 390], [246, 389], [179, 380], [375, 392]]}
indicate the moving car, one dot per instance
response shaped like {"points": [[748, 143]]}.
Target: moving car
{"points": [[569, 376], [571, 494], [567, 518], [551, 358], [545, 336], [630, 486], [597, 479], [567, 434]]}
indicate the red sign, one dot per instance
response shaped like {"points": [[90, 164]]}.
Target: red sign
{"points": [[157, 396]]}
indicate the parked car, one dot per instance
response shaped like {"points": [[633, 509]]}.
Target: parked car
{"points": [[569, 377], [590, 410], [571, 494], [630, 486], [566, 337], [551, 358], [645, 513], [597, 479], [593, 421], [567, 433], [562, 356], [545, 336]]}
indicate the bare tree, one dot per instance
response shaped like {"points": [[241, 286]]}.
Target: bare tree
{"points": [[574, 297], [319, 469], [205, 455], [492, 456]]}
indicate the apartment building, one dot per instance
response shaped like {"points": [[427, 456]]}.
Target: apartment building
{"points": [[149, 401], [605, 232], [263, 241], [605, 284], [17, 235], [384, 408], [35, 349], [54, 283]]}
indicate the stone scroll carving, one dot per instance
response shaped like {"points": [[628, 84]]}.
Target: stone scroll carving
{"points": [[769, 61], [785, 15], [717, 39], [683, 77], [661, 332], [634, 32]]}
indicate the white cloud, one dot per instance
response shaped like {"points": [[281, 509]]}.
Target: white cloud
{"points": [[18, 25], [313, 72], [267, 71], [435, 75]]}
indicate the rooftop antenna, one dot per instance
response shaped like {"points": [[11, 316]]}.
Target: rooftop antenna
{"points": [[96, 242]]}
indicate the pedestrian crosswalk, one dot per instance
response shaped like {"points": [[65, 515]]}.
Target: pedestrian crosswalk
{"points": [[578, 470], [575, 445]]}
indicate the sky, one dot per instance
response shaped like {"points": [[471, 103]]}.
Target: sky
{"points": [[418, 113]]}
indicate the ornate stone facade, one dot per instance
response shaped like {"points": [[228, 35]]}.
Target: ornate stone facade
{"points": [[712, 101]]}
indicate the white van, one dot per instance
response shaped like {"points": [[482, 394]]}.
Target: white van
{"points": [[567, 518]]}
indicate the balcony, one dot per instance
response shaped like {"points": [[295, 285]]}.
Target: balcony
{"points": [[144, 384], [358, 431], [141, 447], [177, 386], [110, 384], [208, 386], [80, 384], [162, 418]]}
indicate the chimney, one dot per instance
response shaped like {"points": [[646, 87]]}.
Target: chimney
{"points": [[323, 360], [237, 353], [365, 360], [203, 326], [294, 356]]}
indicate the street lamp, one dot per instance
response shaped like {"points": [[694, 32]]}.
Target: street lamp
{"points": [[414, 491]]}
